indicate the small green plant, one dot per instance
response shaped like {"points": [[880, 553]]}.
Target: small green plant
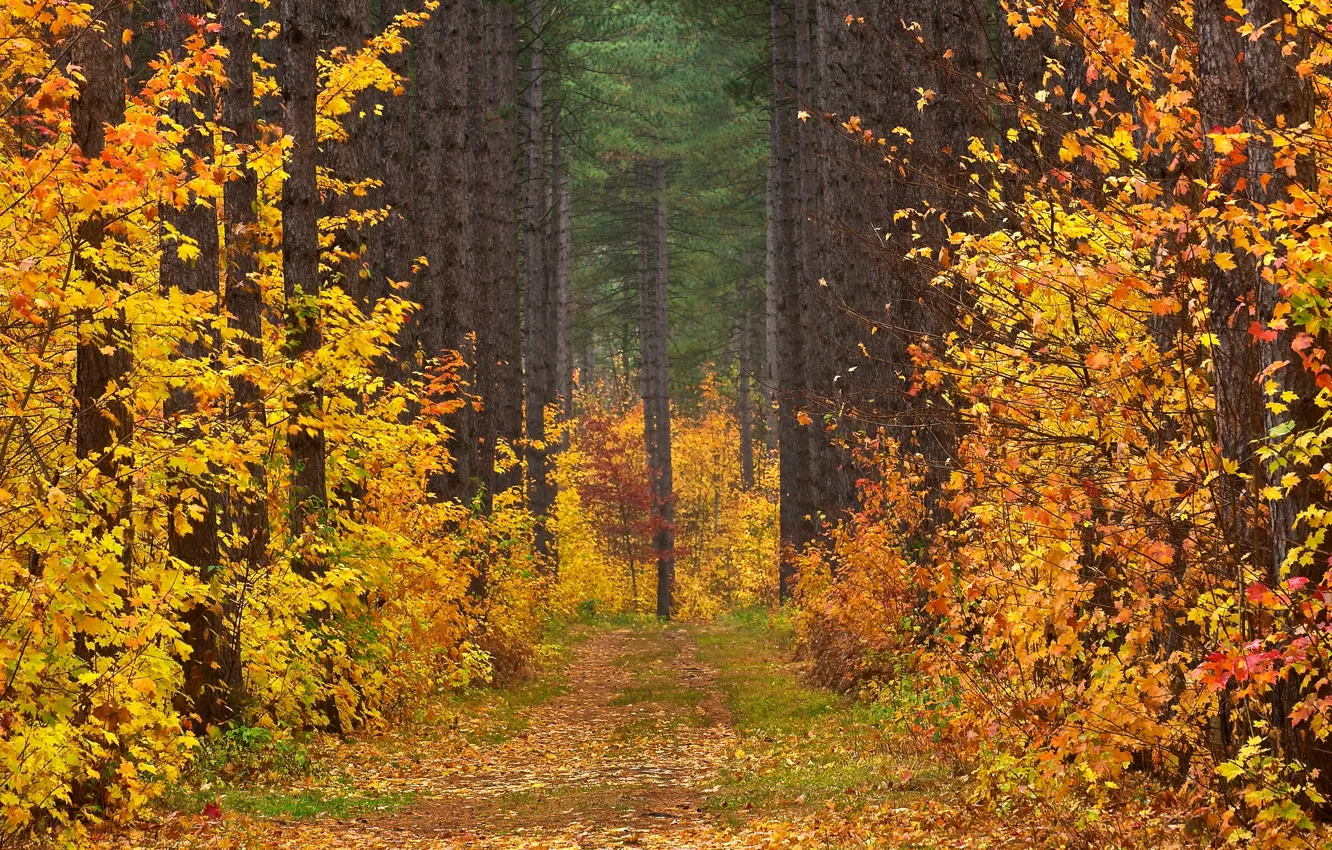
{"points": [[248, 754]]}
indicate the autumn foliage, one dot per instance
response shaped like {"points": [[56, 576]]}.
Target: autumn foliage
{"points": [[725, 533], [1126, 580], [365, 612]]}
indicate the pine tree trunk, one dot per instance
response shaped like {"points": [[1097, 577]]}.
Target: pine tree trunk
{"points": [[194, 541], [481, 112], [396, 249], [507, 297], [1277, 96], [775, 254], [536, 331], [443, 216], [248, 505], [744, 412], [654, 331], [104, 423], [345, 27], [795, 509], [300, 271], [561, 266], [958, 31]]}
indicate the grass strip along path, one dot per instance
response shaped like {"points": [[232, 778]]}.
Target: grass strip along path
{"points": [[678, 736]]}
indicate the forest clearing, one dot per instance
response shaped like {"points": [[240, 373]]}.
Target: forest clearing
{"points": [[665, 423]]}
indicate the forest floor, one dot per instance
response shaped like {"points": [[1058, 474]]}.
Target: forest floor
{"points": [[696, 736]]}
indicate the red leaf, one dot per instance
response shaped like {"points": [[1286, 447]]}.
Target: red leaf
{"points": [[1257, 331]]}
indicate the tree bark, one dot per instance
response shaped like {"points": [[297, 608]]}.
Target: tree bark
{"points": [[1235, 360], [395, 252], [300, 272], [104, 425], [654, 332], [536, 330], [958, 44], [481, 66], [774, 267], [1277, 97], [507, 399], [345, 28], [744, 409], [193, 540], [248, 504], [561, 263], [796, 511], [443, 213]]}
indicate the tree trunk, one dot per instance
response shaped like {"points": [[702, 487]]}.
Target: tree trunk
{"points": [[192, 539], [1277, 96], [248, 505], [1235, 360], [744, 409], [957, 31], [536, 358], [300, 272], [396, 249], [345, 28], [795, 510], [776, 253], [104, 426], [561, 263], [654, 331], [444, 214], [481, 199], [507, 297]]}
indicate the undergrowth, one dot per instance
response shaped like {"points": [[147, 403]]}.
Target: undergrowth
{"points": [[803, 746]]}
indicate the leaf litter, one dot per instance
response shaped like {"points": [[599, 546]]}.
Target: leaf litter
{"points": [[594, 769]]}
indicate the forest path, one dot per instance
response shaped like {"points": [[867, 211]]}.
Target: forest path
{"points": [[679, 737], [622, 758]]}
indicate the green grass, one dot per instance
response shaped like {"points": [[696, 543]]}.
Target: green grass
{"points": [[503, 710], [663, 692], [646, 660], [289, 805], [803, 746]]}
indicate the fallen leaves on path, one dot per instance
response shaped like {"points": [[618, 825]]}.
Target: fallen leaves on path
{"points": [[628, 756]]}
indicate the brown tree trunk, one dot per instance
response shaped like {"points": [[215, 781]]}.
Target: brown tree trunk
{"points": [[481, 199], [397, 246], [345, 27], [654, 333], [192, 539], [958, 44], [744, 409], [104, 425], [1235, 359], [536, 330], [444, 216], [1277, 96], [507, 297], [561, 265], [796, 510], [248, 505], [775, 254], [300, 272]]}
